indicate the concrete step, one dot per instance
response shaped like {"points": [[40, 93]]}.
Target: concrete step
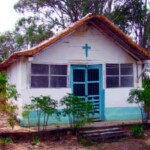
{"points": [[103, 133], [96, 120], [99, 130]]}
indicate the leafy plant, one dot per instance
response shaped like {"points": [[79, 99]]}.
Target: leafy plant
{"points": [[26, 113], [8, 92], [45, 106], [6, 140], [36, 140], [77, 110], [142, 98], [137, 131]]}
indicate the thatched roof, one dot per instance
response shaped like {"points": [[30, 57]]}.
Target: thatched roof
{"points": [[100, 23]]}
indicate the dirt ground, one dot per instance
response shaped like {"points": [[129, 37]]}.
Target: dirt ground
{"points": [[71, 143], [130, 144]]}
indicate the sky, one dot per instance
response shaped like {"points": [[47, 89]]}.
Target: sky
{"points": [[8, 16]]}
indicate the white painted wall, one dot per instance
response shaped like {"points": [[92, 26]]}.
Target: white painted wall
{"points": [[13, 74], [69, 51]]}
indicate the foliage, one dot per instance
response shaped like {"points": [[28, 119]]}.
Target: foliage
{"points": [[133, 17], [7, 92], [141, 97], [26, 113], [63, 12], [137, 131], [36, 140], [45, 106], [7, 44], [11, 111], [85, 142], [77, 110], [146, 83], [29, 32], [6, 140]]}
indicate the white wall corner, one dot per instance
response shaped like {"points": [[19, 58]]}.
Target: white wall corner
{"points": [[146, 64], [30, 59]]}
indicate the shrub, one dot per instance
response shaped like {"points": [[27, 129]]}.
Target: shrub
{"points": [[137, 131], [142, 98], [45, 106], [77, 110], [8, 92]]}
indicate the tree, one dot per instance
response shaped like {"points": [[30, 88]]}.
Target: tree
{"points": [[60, 13], [7, 44], [132, 16], [29, 33]]}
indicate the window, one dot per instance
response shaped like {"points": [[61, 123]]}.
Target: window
{"points": [[58, 76], [119, 75], [44, 76]]}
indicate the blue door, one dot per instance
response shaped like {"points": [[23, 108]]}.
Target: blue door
{"points": [[86, 82]]}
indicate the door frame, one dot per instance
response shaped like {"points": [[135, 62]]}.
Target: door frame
{"points": [[101, 92]]}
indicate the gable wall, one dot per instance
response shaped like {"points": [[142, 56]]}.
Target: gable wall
{"points": [[69, 49]]}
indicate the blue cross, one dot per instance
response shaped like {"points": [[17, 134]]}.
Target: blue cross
{"points": [[86, 48]]}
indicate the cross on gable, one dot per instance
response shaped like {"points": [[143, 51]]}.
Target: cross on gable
{"points": [[86, 47]]}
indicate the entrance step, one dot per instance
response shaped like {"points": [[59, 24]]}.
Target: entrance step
{"points": [[103, 133], [96, 120]]}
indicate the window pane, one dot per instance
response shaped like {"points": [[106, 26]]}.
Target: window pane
{"points": [[39, 81], [78, 75], [93, 89], [126, 69], [127, 81], [112, 69], [93, 74], [39, 69], [58, 69], [112, 82], [58, 81], [79, 89]]}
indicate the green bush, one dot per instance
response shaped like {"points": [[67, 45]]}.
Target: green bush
{"points": [[77, 110], [137, 131], [141, 97], [8, 92], [6, 140], [45, 106], [36, 140]]}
